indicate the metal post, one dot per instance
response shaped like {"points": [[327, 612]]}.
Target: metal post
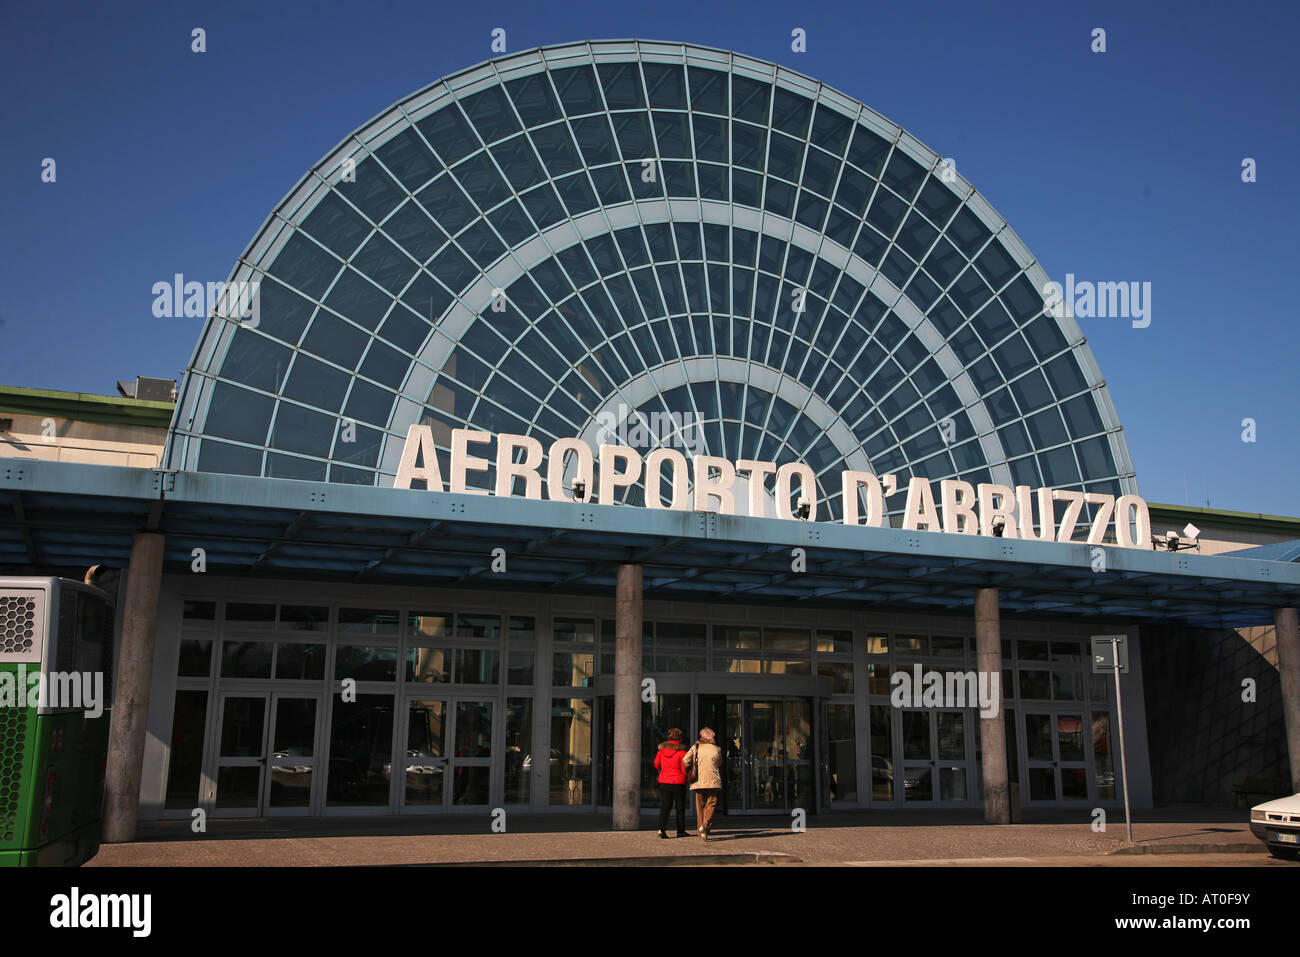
{"points": [[1119, 713], [627, 699]]}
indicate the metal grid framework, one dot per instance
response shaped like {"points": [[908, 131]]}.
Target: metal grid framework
{"points": [[921, 349]]}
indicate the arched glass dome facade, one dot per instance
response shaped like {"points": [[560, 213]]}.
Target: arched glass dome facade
{"points": [[922, 347]]}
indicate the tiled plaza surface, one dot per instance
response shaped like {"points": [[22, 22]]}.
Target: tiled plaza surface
{"points": [[840, 838]]}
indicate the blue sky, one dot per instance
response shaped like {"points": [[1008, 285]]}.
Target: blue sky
{"points": [[1123, 165]]}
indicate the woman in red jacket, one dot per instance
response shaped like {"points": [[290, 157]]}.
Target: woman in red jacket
{"points": [[672, 781]]}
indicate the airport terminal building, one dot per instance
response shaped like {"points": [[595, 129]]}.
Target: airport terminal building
{"points": [[617, 386]]}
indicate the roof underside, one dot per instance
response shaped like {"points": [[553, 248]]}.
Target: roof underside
{"points": [[62, 515]]}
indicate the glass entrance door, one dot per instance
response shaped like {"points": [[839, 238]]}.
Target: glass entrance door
{"points": [[1056, 759], [448, 754], [291, 764], [934, 756], [769, 747], [266, 754]]}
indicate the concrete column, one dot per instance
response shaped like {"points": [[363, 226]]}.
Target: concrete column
{"points": [[131, 688], [1288, 666], [627, 699], [993, 735]]}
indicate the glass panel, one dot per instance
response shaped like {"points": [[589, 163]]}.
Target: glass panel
{"points": [[838, 642], [952, 784], [429, 624], [576, 629], [186, 756], [361, 746], [785, 640], [523, 629], [428, 664], [304, 617], [1074, 784], [657, 718], [473, 729], [1102, 763], [916, 644], [570, 751], [1036, 684], [766, 746], [368, 620], [840, 673], [365, 663], [520, 670], [736, 636], [786, 668], [1069, 737], [952, 735], [1042, 784], [918, 783], [878, 645], [1038, 737], [677, 633], [199, 612], [842, 754], [243, 723], [572, 669], [1032, 650], [519, 745], [1067, 686], [478, 626], [947, 647], [747, 666], [243, 615], [195, 659], [877, 678], [239, 787], [295, 728], [475, 666], [916, 736], [246, 659], [426, 741], [470, 784], [301, 662]]}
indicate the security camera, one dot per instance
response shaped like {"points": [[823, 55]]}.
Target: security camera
{"points": [[803, 509]]}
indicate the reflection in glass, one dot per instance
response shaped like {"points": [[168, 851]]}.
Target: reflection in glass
{"points": [[426, 741], [1074, 784], [365, 663], [246, 659], [1102, 763], [243, 723], [570, 757], [300, 662], [428, 664], [478, 626], [1069, 737], [572, 669], [361, 746], [916, 736], [473, 729], [295, 727], [429, 624], [952, 784], [519, 745], [842, 757], [882, 751], [1038, 737], [476, 667], [195, 658], [368, 621], [239, 787], [952, 735], [186, 761]]}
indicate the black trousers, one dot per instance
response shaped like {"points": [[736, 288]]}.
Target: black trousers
{"points": [[670, 794]]}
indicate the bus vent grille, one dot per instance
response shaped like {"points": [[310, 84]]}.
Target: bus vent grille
{"points": [[17, 624], [13, 723]]}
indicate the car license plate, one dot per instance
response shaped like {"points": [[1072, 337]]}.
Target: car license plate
{"points": [[1287, 838]]}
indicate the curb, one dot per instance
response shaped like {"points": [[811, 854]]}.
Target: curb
{"points": [[1191, 848], [677, 860]]}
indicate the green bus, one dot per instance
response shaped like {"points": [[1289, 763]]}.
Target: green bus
{"points": [[56, 668]]}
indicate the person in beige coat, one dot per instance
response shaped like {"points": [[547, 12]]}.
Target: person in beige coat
{"points": [[706, 757]]}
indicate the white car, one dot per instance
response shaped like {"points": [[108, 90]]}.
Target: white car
{"points": [[1277, 824]]}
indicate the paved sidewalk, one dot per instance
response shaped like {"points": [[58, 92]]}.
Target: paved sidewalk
{"points": [[845, 837]]}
